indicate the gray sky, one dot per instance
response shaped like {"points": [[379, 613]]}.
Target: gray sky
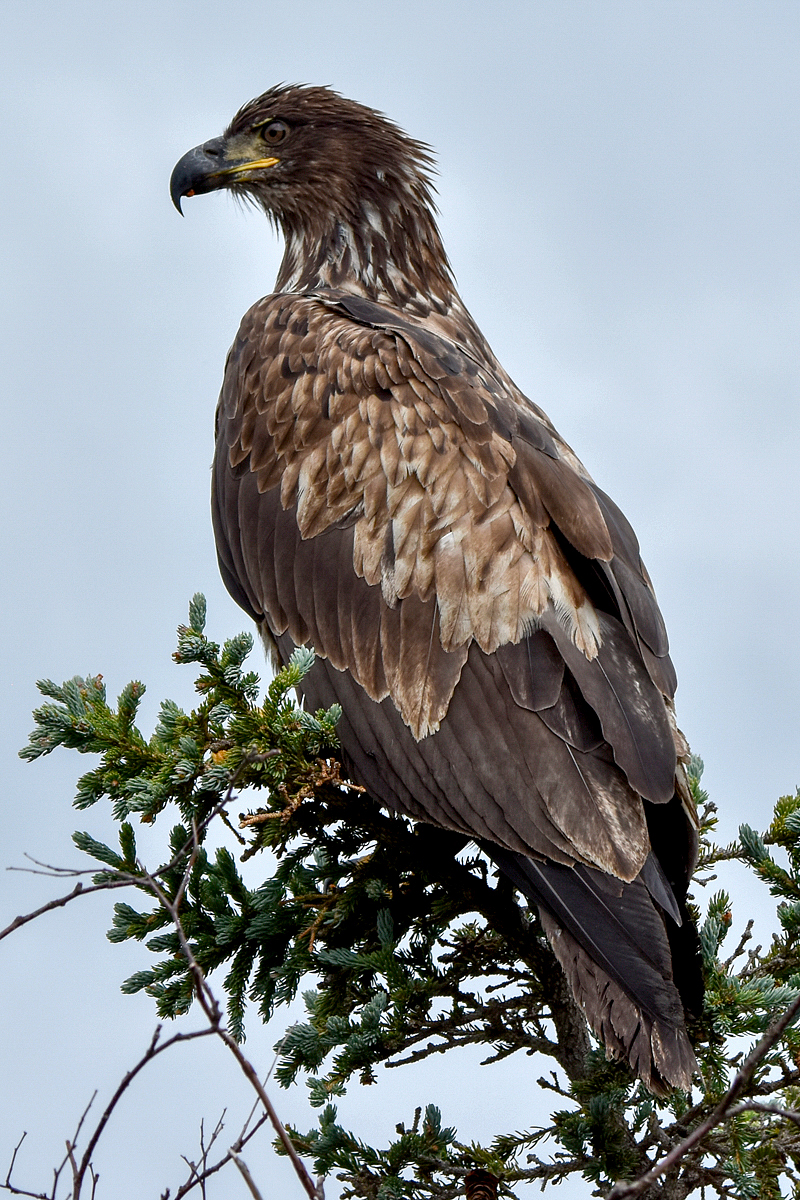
{"points": [[619, 198]]}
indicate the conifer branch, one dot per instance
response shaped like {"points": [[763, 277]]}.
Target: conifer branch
{"points": [[725, 1109], [404, 944]]}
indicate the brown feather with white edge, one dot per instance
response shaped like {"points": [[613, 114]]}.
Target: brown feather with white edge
{"points": [[385, 493]]}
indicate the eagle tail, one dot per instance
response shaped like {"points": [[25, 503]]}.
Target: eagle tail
{"points": [[613, 946]]}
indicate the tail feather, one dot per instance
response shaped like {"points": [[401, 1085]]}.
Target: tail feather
{"points": [[612, 944]]}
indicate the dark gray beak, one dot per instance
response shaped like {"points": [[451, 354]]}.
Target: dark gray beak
{"points": [[200, 170]]}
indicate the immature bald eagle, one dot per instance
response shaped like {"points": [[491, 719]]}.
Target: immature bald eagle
{"points": [[384, 493]]}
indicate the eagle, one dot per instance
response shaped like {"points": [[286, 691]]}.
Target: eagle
{"points": [[384, 493]]}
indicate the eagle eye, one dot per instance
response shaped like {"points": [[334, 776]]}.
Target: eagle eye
{"points": [[274, 132]]}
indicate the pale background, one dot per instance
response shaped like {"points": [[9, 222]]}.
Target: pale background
{"points": [[619, 196]]}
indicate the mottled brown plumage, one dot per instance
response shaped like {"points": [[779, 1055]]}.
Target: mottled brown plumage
{"points": [[384, 493]]}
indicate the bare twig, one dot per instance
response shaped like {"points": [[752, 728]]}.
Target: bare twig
{"points": [[10, 1187], [743, 940], [198, 1175], [213, 1013], [79, 1170], [51, 872], [78, 890], [198, 1178], [82, 1168], [246, 1176]]}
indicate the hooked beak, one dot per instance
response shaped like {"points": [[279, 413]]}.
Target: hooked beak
{"points": [[209, 167]]}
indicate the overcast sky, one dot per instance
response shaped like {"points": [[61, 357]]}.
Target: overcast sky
{"points": [[619, 198]]}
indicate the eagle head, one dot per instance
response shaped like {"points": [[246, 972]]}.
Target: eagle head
{"points": [[309, 158]]}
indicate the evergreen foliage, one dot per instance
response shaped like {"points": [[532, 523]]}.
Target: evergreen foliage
{"points": [[405, 943]]}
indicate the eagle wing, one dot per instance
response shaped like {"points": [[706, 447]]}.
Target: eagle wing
{"points": [[478, 606]]}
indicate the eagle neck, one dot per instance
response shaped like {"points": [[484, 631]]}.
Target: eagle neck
{"points": [[392, 254]]}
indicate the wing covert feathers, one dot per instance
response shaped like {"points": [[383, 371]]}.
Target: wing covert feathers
{"points": [[478, 606], [400, 433]]}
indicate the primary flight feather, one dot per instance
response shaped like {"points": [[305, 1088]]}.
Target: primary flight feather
{"points": [[384, 493]]}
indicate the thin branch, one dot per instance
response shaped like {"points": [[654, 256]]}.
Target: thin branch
{"points": [[776, 1085], [119, 879], [247, 1068], [246, 1176], [198, 1178], [153, 1050], [149, 881], [51, 870], [78, 890], [199, 1175], [787, 1114], [622, 1190], [208, 1003], [10, 1187], [80, 1169], [68, 1157], [743, 940]]}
